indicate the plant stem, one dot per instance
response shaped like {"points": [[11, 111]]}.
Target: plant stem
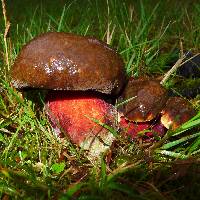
{"points": [[7, 27]]}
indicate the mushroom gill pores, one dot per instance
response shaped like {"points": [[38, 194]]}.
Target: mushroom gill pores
{"points": [[79, 72]]}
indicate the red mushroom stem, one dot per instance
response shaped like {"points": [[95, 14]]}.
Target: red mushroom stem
{"points": [[72, 116]]}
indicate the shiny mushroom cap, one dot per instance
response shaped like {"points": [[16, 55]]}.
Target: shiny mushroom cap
{"points": [[65, 61], [145, 99], [176, 112]]}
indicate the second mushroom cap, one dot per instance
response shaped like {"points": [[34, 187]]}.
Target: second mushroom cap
{"points": [[145, 99]]}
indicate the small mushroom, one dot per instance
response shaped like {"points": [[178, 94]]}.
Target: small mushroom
{"points": [[79, 72], [145, 99], [143, 102], [176, 112], [150, 109]]}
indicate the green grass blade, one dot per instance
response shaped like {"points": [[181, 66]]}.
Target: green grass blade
{"points": [[126, 190], [179, 141], [194, 122], [193, 148], [61, 19], [72, 190], [171, 154], [109, 128], [103, 177]]}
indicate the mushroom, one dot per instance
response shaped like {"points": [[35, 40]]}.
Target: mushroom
{"points": [[176, 112], [145, 100], [149, 110], [81, 73], [145, 97], [64, 61]]}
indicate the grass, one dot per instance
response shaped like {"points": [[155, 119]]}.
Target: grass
{"points": [[35, 164]]}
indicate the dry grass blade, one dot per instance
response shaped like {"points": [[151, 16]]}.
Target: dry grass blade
{"points": [[7, 27]]}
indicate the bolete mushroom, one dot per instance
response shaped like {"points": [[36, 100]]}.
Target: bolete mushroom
{"points": [[176, 112], [149, 109], [79, 72], [145, 99]]}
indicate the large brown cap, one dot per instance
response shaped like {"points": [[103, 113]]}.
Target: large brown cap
{"points": [[143, 99], [176, 112], [65, 61]]}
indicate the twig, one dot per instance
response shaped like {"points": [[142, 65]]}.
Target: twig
{"points": [[178, 64], [172, 70], [190, 59]]}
